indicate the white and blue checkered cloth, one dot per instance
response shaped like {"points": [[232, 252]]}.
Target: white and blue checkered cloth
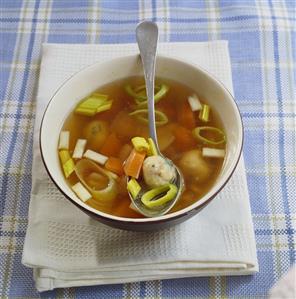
{"points": [[262, 44]]}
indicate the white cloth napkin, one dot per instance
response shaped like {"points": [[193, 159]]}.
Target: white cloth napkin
{"points": [[67, 248]]}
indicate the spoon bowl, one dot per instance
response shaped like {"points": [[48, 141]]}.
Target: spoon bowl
{"points": [[147, 37]]}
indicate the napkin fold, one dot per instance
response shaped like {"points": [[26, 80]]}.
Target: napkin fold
{"points": [[67, 248]]}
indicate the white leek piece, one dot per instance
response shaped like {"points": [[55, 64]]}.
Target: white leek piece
{"points": [[194, 103], [79, 149], [96, 157], [213, 152], [64, 140], [81, 192]]}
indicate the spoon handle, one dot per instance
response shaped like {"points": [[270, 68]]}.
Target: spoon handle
{"points": [[147, 36]]}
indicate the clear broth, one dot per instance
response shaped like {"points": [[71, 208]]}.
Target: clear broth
{"points": [[122, 103]]}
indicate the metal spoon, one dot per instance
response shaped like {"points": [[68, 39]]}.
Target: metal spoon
{"points": [[147, 36]]}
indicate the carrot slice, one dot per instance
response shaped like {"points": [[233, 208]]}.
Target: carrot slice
{"points": [[186, 116], [184, 139], [133, 164], [122, 208], [111, 146], [125, 152], [114, 165]]}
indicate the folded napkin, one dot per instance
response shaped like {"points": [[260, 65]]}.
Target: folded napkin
{"points": [[67, 248]]}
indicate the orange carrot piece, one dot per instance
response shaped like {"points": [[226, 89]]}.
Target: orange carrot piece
{"points": [[125, 152], [184, 139], [111, 146], [186, 116], [122, 209], [114, 165], [133, 164]]}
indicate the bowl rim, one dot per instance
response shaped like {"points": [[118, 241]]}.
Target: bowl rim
{"points": [[167, 217]]}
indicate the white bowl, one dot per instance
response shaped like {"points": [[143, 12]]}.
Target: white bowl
{"points": [[89, 79]]}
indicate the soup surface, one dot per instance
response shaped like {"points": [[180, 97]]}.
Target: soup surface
{"points": [[182, 115]]}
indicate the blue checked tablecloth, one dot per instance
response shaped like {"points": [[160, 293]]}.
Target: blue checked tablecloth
{"points": [[262, 43]]}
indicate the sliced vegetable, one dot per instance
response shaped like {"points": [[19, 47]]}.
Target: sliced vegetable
{"points": [[81, 192], [133, 164], [111, 174], [68, 167], [84, 168], [93, 104], [67, 162], [184, 139], [122, 208], [133, 187], [85, 111], [64, 156], [64, 140], [186, 116], [79, 149], [152, 200], [194, 103], [104, 107], [213, 152], [142, 116], [114, 165], [140, 144], [139, 93], [219, 136], [152, 148], [96, 157], [96, 180], [125, 152], [111, 146], [99, 95], [136, 93], [204, 114]]}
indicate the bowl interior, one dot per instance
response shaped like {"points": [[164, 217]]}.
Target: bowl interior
{"points": [[89, 79]]}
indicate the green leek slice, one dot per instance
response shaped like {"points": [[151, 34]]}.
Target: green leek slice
{"points": [[64, 156], [94, 104], [204, 114], [104, 107], [85, 111], [142, 115], [152, 148], [68, 167], [140, 144], [67, 162], [84, 168], [133, 187], [139, 93], [170, 191], [99, 95], [197, 133]]}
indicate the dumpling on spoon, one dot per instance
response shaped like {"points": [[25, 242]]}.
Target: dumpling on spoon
{"points": [[157, 171]]}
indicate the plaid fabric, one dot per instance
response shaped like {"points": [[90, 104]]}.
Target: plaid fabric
{"points": [[262, 45]]}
